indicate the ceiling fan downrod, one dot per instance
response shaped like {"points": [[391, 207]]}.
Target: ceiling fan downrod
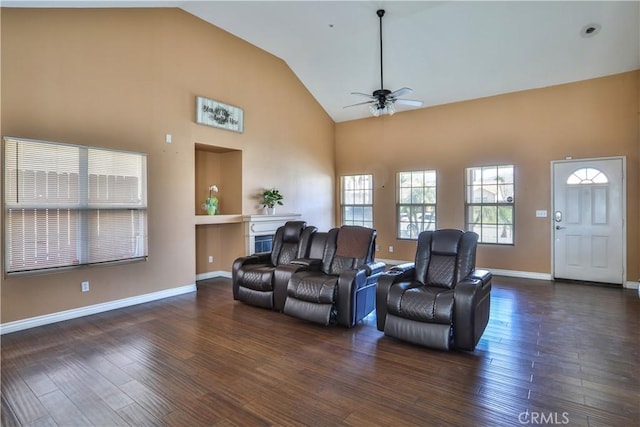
{"points": [[380, 14]]}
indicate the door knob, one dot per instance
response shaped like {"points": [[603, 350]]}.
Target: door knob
{"points": [[559, 227], [558, 216]]}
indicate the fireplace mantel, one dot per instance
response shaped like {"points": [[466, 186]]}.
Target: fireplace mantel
{"points": [[263, 225]]}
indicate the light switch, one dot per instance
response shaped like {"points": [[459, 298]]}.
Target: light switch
{"points": [[541, 214], [168, 138]]}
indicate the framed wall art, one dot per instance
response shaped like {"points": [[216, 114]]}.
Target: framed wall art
{"points": [[213, 113]]}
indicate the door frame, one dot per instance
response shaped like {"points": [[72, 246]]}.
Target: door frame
{"points": [[624, 210]]}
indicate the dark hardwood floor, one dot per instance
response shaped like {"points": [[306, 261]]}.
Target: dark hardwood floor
{"points": [[553, 354]]}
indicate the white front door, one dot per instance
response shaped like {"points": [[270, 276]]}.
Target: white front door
{"points": [[588, 220]]}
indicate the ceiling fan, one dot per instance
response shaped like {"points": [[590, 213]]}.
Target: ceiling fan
{"points": [[383, 100]]}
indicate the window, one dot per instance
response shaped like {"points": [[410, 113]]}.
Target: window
{"points": [[357, 200], [416, 203], [68, 205], [587, 176], [489, 203]]}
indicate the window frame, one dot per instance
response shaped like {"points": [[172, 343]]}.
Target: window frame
{"points": [[84, 206], [365, 206], [416, 206], [498, 205]]}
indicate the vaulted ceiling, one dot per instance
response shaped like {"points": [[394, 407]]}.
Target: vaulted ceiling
{"points": [[446, 51]]}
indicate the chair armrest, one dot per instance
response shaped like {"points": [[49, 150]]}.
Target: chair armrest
{"points": [[257, 258], [351, 283], [348, 282], [374, 268], [403, 267], [313, 263], [386, 280], [484, 275], [472, 303], [239, 262], [263, 257], [281, 276]]}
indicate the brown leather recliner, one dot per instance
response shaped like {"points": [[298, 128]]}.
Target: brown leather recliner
{"points": [[283, 273], [440, 300], [342, 288], [253, 275]]}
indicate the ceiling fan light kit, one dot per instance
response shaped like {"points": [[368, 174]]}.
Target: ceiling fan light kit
{"points": [[377, 109], [383, 100]]}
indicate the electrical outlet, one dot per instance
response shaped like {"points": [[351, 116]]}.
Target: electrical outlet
{"points": [[390, 249], [377, 248], [85, 286], [210, 259]]}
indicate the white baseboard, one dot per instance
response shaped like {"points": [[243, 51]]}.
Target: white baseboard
{"points": [[213, 274], [520, 274], [544, 276], [19, 325]]}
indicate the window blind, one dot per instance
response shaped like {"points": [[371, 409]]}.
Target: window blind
{"points": [[68, 205]]}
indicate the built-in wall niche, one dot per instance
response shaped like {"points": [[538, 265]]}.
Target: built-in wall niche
{"points": [[219, 238], [217, 246], [221, 167]]}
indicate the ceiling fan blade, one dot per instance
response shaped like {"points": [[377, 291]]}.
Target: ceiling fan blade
{"points": [[360, 103], [400, 92], [411, 102], [368, 95]]}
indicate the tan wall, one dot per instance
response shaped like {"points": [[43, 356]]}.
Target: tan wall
{"points": [[528, 129], [123, 78]]}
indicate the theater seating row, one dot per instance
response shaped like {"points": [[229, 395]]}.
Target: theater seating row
{"points": [[438, 301]]}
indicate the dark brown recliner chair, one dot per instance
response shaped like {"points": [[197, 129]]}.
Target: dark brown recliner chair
{"points": [[253, 275], [439, 301], [284, 272], [342, 288]]}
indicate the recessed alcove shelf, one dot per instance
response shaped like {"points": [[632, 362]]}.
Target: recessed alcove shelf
{"points": [[217, 219], [221, 167], [219, 238]]}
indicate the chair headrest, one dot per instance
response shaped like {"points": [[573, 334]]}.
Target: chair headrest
{"points": [[446, 241], [292, 231], [354, 241]]}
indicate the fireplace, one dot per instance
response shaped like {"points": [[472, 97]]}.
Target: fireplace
{"points": [[260, 229], [263, 243]]}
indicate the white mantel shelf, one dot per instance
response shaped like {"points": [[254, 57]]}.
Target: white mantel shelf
{"points": [[270, 218], [237, 218]]}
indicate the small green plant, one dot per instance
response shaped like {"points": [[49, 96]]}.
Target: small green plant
{"points": [[211, 203], [271, 198]]}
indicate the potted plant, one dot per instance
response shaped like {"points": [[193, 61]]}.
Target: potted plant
{"points": [[211, 202], [271, 198]]}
